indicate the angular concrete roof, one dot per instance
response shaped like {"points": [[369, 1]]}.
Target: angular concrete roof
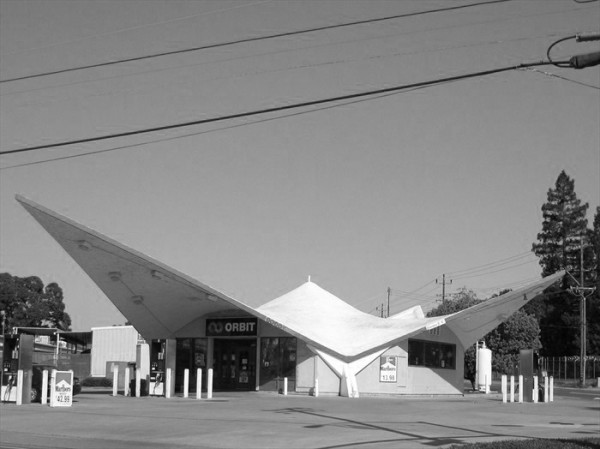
{"points": [[160, 302]]}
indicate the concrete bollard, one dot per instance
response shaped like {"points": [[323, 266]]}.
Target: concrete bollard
{"points": [[598, 382], [285, 386], [209, 383], [546, 389], [20, 387], [115, 379], [199, 383], [44, 398], [504, 386], [52, 387], [521, 386], [168, 384], [535, 389], [551, 392], [186, 383], [138, 383], [316, 388], [512, 388], [126, 389]]}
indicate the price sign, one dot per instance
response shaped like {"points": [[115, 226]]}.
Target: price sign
{"points": [[62, 389], [388, 369]]}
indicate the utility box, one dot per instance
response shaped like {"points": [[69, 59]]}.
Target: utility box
{"points": [[528, 367]]}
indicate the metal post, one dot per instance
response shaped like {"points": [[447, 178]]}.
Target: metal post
{"points": [[138, 383], [168, 384], [512, 388], [126, 389], [521, 386], [504, 392]]}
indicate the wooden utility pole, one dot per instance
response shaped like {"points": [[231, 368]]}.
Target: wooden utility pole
{"points": [[443, 287]]}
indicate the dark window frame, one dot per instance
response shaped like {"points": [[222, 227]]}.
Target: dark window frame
{"points": [[431, 354]]}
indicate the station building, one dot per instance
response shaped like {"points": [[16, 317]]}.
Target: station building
{"points": [[316, 341]]}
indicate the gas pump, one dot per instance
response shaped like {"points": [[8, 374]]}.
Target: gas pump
{"points": [[158, 349], [17, 355]]}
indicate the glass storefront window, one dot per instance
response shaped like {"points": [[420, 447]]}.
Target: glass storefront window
{"points": [[277, 360], [431, 354]]}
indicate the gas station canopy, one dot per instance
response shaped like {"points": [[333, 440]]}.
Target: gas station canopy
{"points": [[160, 302]]}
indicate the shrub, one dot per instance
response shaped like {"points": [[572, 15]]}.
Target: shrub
{"points": [[96, 382]]}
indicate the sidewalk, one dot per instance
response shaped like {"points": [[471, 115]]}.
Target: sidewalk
{"points": [[268, 420]]}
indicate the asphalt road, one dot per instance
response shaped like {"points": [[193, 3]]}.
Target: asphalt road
{"points": [[267, 420]]}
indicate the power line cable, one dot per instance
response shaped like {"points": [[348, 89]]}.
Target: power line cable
{"points": [[495, 262], [137, 27], [106, 150], [250, 39], [276, 109]]}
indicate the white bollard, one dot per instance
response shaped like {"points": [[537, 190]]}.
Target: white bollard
{"points": [[285, 386], [115, 379], [126, 390], [535, 389], [504, 388], [186, 383], [598, 382], [512, 388], [199, 383], [546, 389], [168, 384], [209, 383], [551, 392], [138, 383], [487, 385], [20, 387], [44, 392], [521, 386], [52, 387], [316, 388]]}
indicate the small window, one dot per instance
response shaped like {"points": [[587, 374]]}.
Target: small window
{"points": [[431, 354]]}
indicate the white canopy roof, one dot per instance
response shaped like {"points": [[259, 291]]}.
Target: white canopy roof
{"points": [[161, 302]]}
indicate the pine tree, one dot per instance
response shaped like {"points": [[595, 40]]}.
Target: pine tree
{"points": [[564, 225], [564, 228]]}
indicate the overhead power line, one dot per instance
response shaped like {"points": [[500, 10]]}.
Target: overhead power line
{"points": [[249, 39], [277, 108]]}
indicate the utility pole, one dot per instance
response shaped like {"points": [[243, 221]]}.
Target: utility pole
{"points": [[443, 287], [581, 290], [389, 290]]}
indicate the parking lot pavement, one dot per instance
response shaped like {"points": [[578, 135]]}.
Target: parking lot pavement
{"points": [[266, 420]]}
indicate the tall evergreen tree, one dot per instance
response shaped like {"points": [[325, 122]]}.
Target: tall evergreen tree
{"points": [[593, 303], [564, 227]]}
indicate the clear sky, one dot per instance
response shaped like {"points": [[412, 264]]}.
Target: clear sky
{"points": [[390, 192]]}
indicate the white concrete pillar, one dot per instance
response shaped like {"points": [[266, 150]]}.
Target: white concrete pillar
{"points": [[504, 387], [521, 386], [20, 387], [186, 383], [551, 392], [535, 389], [546, 389], [126, 389], [138, 382], [512, 388], [209, 383], [316, 392], [44, 392], [168, 384], [199, 383], [285, 386]]}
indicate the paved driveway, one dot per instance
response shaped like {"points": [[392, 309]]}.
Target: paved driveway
{"points": [[264, 420]]}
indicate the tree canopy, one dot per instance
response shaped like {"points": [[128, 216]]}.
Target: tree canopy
{"points": [[562, 244], [26, 302]]}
